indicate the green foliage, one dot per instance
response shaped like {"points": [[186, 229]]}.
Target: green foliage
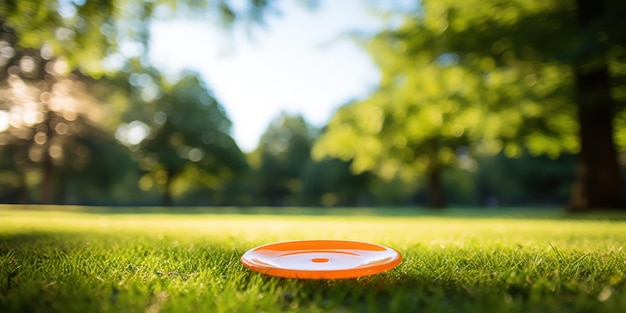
{"points": [[43, 42], [492, 76], [185, 133], [330, 182], [283, 153], [86, 33], [448, 77], [460, 261], [524, 84], [459, 80], [57, 145]]}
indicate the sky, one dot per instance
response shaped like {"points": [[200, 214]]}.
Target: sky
{"points": [[299, 62]]}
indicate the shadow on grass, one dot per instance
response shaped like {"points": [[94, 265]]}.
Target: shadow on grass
{"points": [[414, 293]]}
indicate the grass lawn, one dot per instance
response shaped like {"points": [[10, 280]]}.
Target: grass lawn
{"points": [[116, 260]]}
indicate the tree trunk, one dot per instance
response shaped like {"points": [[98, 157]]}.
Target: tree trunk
{"points": [[167, 190], [434, 188], [435, 197], [597, 183]]}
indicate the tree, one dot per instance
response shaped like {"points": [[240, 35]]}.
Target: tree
{"points": [[586, 38], [53, 125], [87, 34], [87, 38], [598, 181], [281, 157], [330, 182], [517, 82], [177, 129], [413, 124]]}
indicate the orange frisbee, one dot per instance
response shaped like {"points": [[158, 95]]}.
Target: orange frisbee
{"points": [[321, 259]]}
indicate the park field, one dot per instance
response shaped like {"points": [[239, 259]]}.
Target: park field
{"points": [[82, 259]]}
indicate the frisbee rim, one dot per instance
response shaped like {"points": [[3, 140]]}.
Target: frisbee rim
{"points": [[355, 272]]}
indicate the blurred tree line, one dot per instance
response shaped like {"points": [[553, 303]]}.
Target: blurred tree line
{"points": [[481, 103]]}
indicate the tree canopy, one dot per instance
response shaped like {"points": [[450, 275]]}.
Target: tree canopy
{"points": [[493, 76], [280, 159], [91, 35]]}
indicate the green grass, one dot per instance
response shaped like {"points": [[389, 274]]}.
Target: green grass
{"points": [[70, 260]]}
